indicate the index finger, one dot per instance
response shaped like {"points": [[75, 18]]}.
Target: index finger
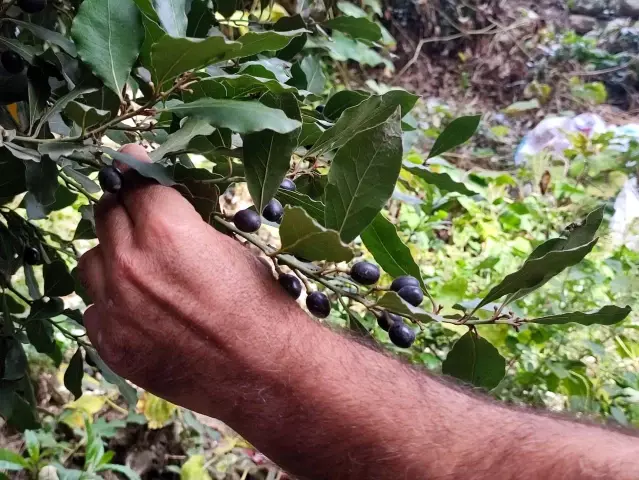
{"points": [[143, 198]]}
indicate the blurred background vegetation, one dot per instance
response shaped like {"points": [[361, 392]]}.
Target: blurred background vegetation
{"points": [[518, 64]]}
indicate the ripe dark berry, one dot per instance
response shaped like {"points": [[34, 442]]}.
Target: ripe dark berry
{"points": [[32, 6], [412, 295], [31, 256], [320, 108], [110, 179], [387, 319], [401, 335], [247, 220], [287, 184], [273, 211], [291, 284], [12, 62], [365, 273], [318, 304], [405, 281]]}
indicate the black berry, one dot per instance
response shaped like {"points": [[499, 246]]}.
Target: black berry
{"points": [[320, 108], [12, 62], [318, 304], [405, 281], [31, 256], [401, 335], [287, 184], [247, 220], [273, 211], [32, 6], [291, 284], [365, 273], [110, 179], [412, 295], [387, 319]]}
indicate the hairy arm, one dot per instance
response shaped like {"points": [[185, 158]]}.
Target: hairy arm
{"points": [[193, 316]]}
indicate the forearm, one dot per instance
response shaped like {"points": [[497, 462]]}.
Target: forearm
{"points": [[324, 406]]}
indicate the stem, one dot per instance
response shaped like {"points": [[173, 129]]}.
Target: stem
{"points": [[19, 295]]}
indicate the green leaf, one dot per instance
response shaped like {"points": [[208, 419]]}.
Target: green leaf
{"points": [[12, 170], [172, 16], [84, 115], [40, 333], [304, 237], [49, 36], [39, 91], [43, 310], [348, 8], [23, 415], [393, 302], [154, 171], [42, 180], [296, 199], [128, 392], [200, 19], [172, 56], [179, 140], [582, 233], [202, 194], [88, 184], [342, 101], [296, 45], [31, 281], [608, 315], [108, 35], [27, 52], [267, 154], [388, 250], [58, 282], [240, 117], [362, 178], [459, 131], [369, 113], [194, 469], [33, 445], [315, 79], [62, 102], [74, 373], [356, 27], [535, 273], [253, 43], [343, 48], [55, 150], [474, 360], [15, 361], [523, 106], [11, 461], [235, 86], [443, 181]]}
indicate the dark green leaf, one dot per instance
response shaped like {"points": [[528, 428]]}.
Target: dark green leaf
{"points": [[226, 7], [13, 305], [474, 360], [234, 87], [44, 310], [23, 153], [382, 240], [296, 199], [74, 373], [200, 19], [342, 101], [459, 131], [202, 194], [23, 415], [535, 273], [443, 181], [85, 115], [32, 444], [15, 361], [304, 237], [42, 180], [362, 178], [64, 100], [315, 79], [267, 154], [108, 35], [49, 36], [79, 288], [253, 43], [285, 24], [32, 282], [583, 233], [58, 282], [148, 170], [273, 68], [12, 181], [356, 27], [240, 117], [369, 113], [309, 134], [171, 56], [55, 150], [608, 315], [179, 140], [25, 51], [39, 92], [128, 392], [40, 333], [172, 16]]}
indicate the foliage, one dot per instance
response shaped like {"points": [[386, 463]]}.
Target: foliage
{"points": [[226, 98]]}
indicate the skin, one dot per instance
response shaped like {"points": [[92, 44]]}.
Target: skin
{"points": [[195, 317]]}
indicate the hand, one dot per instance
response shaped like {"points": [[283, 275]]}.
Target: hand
{"points": [[175, 301]]}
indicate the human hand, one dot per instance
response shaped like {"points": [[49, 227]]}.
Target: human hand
{"points": [[175, 301]]}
